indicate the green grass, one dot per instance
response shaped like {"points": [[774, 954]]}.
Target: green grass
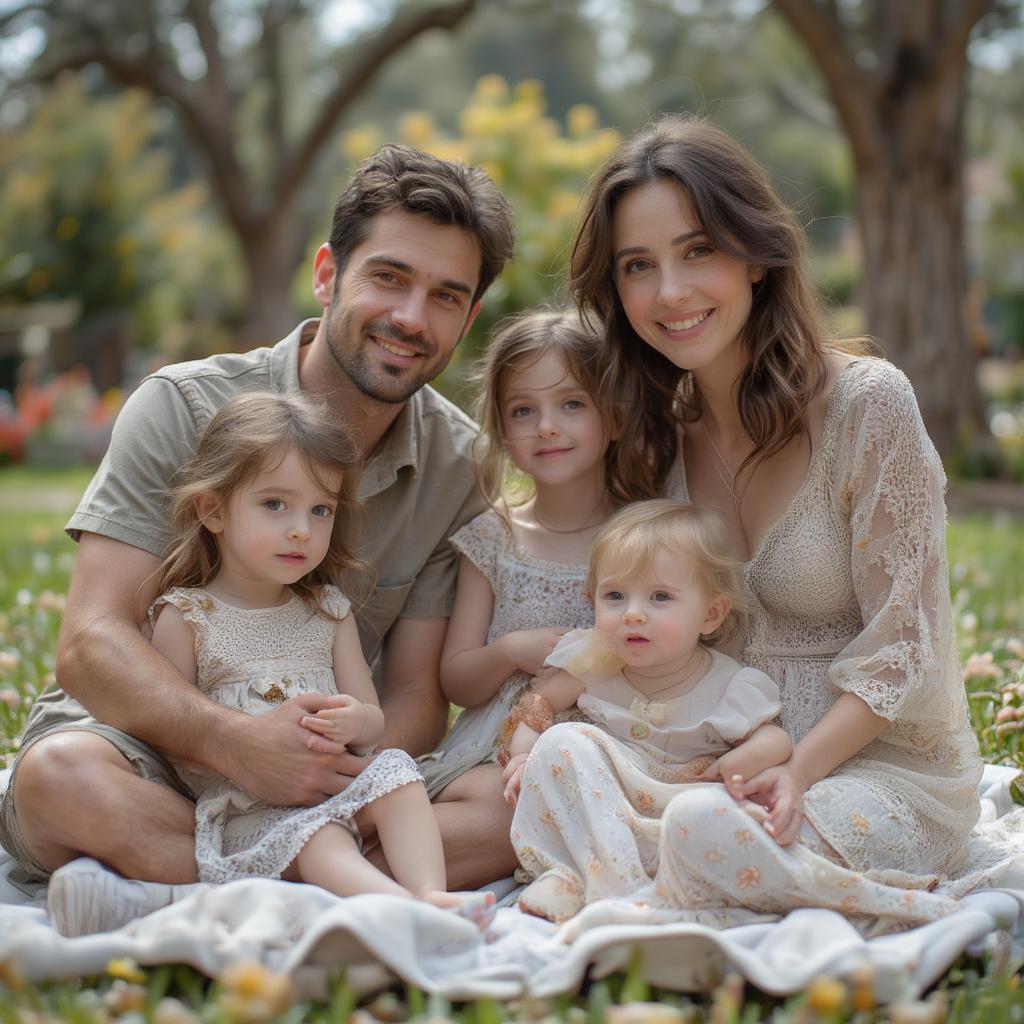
{"points": [[986, 558]]}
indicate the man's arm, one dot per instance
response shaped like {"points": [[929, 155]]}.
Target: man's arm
{"points": [[104, 661], [415, 710]]}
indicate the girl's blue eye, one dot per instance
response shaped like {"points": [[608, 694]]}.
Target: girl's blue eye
{"points": [[323, 511], [520, 410], [573, 403], [613, 595], [274, 504], [661, 595]]}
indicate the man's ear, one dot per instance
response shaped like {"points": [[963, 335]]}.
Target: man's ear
{"points": [[324, 272], [715, 615], [210, 511], [469, 319]]}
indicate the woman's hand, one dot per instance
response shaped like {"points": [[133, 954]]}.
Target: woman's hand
{"points": [[527, 648], [780, 791], [512, 776]]}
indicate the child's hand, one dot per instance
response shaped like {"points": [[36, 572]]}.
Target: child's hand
{"points": [[781, 793], [512, 776], [342, 722], [527, 648], [728, 769]]}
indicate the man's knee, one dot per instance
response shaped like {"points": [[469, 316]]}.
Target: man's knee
{"points": [[65, 766]]}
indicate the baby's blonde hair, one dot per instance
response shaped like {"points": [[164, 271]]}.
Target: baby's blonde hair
{"points": [[636, 534], [252, 432]]}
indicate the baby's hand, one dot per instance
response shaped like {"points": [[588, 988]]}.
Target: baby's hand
{"points": [[341, 723], [512, 776], [727, 769]]}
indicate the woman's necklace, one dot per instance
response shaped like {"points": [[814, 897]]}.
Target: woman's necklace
{"points": [[587, 523], [729, 479]]}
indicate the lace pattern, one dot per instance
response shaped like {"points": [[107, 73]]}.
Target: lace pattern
{"points": [[253, 660], [848, 591]]}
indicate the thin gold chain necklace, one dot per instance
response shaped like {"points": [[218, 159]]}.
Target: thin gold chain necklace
{"points": [[586, 524], [729, 481]]}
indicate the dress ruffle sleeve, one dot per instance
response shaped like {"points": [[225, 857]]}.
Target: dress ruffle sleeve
{"points": [[335, 602], [195, 607], [750, 701], [585, 655], [482, 541], [889, 481]]}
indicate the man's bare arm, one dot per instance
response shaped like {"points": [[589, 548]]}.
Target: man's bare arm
{"points": [[104, 661], [415, 709]]}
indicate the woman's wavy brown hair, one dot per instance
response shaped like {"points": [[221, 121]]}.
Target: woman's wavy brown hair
{"points": [[731, 198], [518, 342], [252, 433]]}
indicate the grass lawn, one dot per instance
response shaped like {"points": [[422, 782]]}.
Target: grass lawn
{"points": [[986, 556]]}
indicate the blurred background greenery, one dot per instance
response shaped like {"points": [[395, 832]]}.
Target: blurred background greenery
{"points": [[168, 169]]}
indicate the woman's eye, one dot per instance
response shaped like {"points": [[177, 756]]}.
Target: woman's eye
{"points": [[700, 250], [635, 266], [274, 504]]}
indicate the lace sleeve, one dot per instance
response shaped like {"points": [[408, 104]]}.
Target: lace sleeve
{"points": [[482, 540], [890, 483]]}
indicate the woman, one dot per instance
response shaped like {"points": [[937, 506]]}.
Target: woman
{"points": [[820, 464]]}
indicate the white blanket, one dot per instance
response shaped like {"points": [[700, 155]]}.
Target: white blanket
{"points": [[310, 934]]}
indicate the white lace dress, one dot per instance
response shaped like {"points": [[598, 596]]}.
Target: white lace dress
{"points": [[589, 818], [848, 592], [529, 593], [252, 660]]}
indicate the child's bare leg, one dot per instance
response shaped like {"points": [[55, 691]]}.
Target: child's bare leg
{"points": [[411, 843], [331, 859]]}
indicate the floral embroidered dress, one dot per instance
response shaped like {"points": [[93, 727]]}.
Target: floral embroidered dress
{"points": [[589, 819], [848, 592], [529, 593], [252, 659]]}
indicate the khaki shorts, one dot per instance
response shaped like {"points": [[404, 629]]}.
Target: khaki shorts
{"points": [[54, 712]]}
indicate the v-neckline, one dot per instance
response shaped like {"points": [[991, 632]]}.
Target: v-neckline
{"points": [[812, 466]]}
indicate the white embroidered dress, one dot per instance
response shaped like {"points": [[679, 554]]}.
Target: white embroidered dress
{"points": [[592, 798], [529, 593], [252, 660]]}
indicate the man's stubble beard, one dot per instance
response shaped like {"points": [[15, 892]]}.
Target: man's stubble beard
{"points": [[387, 384]]}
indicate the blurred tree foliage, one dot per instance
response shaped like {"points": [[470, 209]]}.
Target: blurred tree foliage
{"points": [[87, 212]]}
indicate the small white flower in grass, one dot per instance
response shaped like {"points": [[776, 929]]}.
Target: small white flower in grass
{"points": [[9, 660], [1015, 647], [969, 622], [173, 1011], [980, 667], [23, 597], [65, 561], [41, 562], [48, 601], [10, 697]]}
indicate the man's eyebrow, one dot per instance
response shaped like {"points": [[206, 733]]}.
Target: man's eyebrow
{"points": [[405, 268], [634, 250]]}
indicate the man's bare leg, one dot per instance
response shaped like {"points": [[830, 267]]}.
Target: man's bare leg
{"points": [[75, 795], [475, 822]]}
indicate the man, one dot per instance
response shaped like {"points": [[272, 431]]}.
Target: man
{"points": [[415, 243]]}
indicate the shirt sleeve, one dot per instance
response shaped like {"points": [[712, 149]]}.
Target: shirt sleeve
{"points": [[889, 481], [750, 701], [128, 498]]}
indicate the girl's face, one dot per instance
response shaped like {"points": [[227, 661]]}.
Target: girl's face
{"points": [[656, 617], [553, 430], [277, 527], [685, 298]]}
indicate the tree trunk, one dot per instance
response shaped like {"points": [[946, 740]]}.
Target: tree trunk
{"points": [[912, 227], [272, 253]]}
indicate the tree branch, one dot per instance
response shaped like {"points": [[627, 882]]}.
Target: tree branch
{"points": [[848, 84], [370, 58], [216, 82]]}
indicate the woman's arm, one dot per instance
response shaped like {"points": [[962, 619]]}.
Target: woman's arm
{"points": [[768, 745], [473, 670]]}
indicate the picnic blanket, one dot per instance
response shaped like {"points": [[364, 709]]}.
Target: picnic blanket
{"points": [[310, 934]]}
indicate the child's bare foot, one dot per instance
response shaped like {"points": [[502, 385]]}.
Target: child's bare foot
{"points": [[477, 907]]}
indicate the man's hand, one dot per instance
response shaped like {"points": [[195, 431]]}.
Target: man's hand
{"points": [[272, 755], [512, 777], [527, 648]]}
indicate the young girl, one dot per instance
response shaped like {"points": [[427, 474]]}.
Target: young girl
{"points": [[668, 711], [523, 563], [263, 519]]}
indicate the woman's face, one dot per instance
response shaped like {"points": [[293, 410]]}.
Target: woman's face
{"points": [[684, 297]]}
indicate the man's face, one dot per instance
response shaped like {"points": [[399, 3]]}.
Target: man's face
{"points": [[402, 303]]}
